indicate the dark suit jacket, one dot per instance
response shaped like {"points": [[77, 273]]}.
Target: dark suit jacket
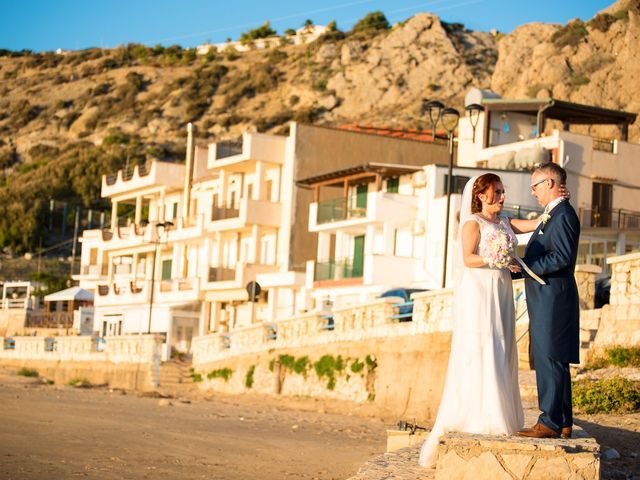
{"points": [[554, 311]]}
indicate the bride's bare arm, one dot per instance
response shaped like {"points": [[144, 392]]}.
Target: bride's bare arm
{"points": [[519, 225], [470, 241]]}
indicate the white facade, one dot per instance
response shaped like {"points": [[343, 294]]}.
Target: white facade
{"points": [[181, 248]]}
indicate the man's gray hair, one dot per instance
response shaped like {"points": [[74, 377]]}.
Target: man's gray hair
{"points": [[553, 170]]}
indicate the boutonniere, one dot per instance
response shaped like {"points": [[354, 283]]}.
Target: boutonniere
{"points": [[544, 218]]}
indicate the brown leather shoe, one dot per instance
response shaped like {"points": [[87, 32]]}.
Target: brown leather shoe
{"points": [[566, 432], [538, 431]]}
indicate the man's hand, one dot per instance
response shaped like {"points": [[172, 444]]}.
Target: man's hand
{"points": [[514, 268]]}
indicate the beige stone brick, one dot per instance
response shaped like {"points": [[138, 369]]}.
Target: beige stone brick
{"points": [[516, 463], [550, 468]]}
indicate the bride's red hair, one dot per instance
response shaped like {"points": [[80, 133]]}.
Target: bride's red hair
{"points": [[481, 185]]}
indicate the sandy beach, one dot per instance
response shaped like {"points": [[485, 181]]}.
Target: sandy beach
{"points": [[61, 432]]}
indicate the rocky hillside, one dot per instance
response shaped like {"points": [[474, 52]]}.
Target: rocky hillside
{"points": [[65, 119]]}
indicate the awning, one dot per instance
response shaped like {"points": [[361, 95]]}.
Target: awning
{"points": [[69, 294]]}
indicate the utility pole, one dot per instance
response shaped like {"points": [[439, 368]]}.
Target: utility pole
{"points": [[76, 227]]}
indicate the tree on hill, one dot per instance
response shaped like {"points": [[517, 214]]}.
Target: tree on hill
{"points": [[371, 23], [261, 32]]}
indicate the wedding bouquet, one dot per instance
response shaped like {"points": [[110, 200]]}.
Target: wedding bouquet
{"points": [[497, 249]]}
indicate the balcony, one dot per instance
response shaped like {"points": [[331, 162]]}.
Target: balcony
{"points": [[250, 212], [223, 278], [381, 207], [337, 270], [619, 219], [178, 289], [49, 320], [518, 211], [252, 147], [221, 274], [94, 271], [139, 177], [338, 209], [224, 213]]}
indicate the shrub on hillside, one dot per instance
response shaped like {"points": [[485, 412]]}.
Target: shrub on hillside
{"points": [[371, 24], [263, 31], [263, 78], [611, 395], [27, 372], [618, 356], [571, 34]]}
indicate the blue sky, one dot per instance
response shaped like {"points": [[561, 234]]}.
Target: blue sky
{"points": [[75, 24]]}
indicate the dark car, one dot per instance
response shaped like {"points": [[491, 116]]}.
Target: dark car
{"points": [[405, 308], [603, 291]]}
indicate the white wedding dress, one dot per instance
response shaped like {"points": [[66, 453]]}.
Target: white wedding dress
{"points": [[481, 393]]}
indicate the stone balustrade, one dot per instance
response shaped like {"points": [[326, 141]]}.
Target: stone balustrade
{"points": [[586, 281], [625, 279], [122, 349]]}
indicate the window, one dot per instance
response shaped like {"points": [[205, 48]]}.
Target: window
{"points": [[166, 269], [174, 211], [458, 182], [393, 185]]}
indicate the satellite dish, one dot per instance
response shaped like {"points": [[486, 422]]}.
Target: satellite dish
{"points": [[253, 289]]}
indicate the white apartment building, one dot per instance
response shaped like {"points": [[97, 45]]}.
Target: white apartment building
{"points": [[185, 240]]}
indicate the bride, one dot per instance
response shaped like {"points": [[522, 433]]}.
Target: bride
{"points": [[481, 392]]}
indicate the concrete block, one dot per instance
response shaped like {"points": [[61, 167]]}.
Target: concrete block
{"points": [[397, 439]]}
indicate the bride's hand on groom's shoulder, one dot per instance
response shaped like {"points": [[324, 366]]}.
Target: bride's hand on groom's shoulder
{"points": [[564, 191]]}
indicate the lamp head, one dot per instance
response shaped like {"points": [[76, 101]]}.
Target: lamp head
{"points": [[450, 117], [473, 110], [434, 109]]}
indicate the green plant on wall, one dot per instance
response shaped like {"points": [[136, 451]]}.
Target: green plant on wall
{"points": [[248, 379], [220, 373], [27, 372], [329, 367], [357, 366]]}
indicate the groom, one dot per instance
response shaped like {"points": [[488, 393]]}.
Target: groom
{"points": [[553, 308]]}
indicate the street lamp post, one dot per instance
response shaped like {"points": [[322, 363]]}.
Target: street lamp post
{"points": [[160, 229], [448, 117]]}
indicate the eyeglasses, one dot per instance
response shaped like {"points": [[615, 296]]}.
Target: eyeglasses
{"points": [[534, 185]]}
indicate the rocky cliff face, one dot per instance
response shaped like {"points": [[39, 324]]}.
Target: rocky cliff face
{"points": [[595, 63], [378, 79]]}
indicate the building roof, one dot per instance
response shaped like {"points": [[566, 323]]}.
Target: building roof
{"points": [[383, 169], [73, 293], [573, 113], [408, 134]]}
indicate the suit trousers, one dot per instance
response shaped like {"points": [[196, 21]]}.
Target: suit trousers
{"points": [[554, 391]]}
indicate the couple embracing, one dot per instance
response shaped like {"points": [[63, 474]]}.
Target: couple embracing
{"points": [[481, 393]]}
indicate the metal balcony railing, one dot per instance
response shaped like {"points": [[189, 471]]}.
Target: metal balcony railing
{"points": [[338, 209], [49, 320], [228, 148], [620, 219], [518, 211], [337, 270], [223, 213], [221, 274], [603, 144]]}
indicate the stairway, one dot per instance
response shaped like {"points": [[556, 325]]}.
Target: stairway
{"points": [[175, 375]]}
